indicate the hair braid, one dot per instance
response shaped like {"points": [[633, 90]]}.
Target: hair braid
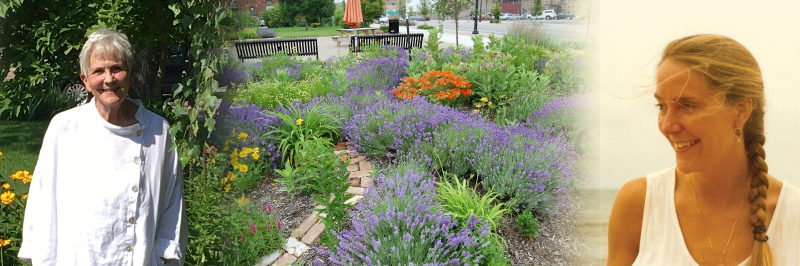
{"points": [[734, 75], [759, 185]]}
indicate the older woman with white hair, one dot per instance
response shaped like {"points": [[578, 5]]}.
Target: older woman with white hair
{"points": [[107, 189]]}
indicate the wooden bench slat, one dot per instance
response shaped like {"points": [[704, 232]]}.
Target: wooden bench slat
{"points": [[250, 49]]}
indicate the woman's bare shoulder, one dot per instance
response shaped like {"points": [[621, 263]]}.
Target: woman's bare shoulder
{"points": [[624, 227]]}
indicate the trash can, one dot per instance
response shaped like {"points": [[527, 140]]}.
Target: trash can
{"points": [[394, 26]]}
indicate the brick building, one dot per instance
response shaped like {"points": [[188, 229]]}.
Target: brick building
{"points": [[255, 7]]}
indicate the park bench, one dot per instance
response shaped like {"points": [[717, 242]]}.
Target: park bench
{"points": [[249, 49], [401, 40]]}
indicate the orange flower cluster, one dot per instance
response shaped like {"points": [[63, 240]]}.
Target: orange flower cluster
{"points": [[442, 85]]}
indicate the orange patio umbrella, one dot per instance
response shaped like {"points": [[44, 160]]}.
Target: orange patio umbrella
{"points": [[352, 13]]}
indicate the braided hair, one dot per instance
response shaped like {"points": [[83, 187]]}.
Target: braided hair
{"points": [[733, 74]]}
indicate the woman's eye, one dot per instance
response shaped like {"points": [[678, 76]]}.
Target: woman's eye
{"points": [[687, 106], [660, 107]]}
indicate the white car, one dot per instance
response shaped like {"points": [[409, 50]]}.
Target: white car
{"points": [[547, 14], [383, 19], [504, 16]]}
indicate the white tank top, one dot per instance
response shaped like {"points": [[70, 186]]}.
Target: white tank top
{"points": [[662, 242]]}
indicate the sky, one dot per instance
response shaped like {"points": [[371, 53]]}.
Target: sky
{"points": [[627, 38]]}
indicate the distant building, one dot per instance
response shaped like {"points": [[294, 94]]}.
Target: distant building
{"points": [[560, 6], [255, 7]]}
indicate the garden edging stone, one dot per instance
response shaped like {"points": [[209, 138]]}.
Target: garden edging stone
{"points": [[312, 227]]}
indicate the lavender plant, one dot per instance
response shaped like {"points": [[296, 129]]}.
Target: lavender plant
{"points": [[401, 234]]}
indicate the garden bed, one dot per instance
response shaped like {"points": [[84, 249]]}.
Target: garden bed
{"points": [[499, 123]]}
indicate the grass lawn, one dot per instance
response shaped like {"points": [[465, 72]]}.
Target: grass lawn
{"points": [[300, 32], [20, 142]]}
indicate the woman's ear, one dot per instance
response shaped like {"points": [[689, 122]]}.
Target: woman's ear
{"points": [[744, 108]]}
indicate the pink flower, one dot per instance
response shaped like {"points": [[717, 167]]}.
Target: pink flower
{"points": [[263, 210], [242, 235], [248, 210], [268, 227], [269, 207], [227, 242], [279, 223], [253, 226]]}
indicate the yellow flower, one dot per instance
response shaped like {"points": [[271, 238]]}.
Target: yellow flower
{"points": [[484, 99], [242, 136], [5, 242], [243, 168], [255, 155], [490, 103], [245, 152], [478, 105], [226, 148], [1, 154], [501, 96], [234, 161], [25, 196], [235, 153], [7, 197], [23, 176], [299, 121], [451, 67], [6, 186], [227, 187], [294, 48], [475, 111], [242, 201], [223, 181], [231, 176]]}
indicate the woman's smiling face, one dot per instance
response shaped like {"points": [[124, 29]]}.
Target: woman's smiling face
{"points": [[697, 125]]}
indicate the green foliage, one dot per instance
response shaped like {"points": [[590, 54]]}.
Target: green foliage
{"points": [[496, 11], [330, 188], [301, 124], [424, 7], [308, 10], [12, 210], [275, 17], [371, 10], [205, 208], [244, 19], [250, 233], [461, 202], [425, 27], [338, 16], [537, 8], [452, 8], [529, 225], [311, 153], [494, 20], [291, 180]]}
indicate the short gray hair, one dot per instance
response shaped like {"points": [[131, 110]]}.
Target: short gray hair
{"points": [[108, 43]]}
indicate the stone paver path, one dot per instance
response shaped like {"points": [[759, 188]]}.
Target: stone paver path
{"points": [[311, 228]]}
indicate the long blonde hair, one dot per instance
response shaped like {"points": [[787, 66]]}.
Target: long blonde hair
{"points": [[733, 74]]}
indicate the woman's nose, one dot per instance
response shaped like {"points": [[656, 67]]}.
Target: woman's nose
{"points": [[670, 122], [108, 77]]}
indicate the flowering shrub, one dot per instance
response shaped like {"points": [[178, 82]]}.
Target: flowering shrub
{"points": [[12, 208], [380, 74], [264, 32], [403, 234], [439, 86], [242, 117], [234, 74], [246, 164], [250, 233]]}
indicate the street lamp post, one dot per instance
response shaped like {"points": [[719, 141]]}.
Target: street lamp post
{"points": [[475, 31]]}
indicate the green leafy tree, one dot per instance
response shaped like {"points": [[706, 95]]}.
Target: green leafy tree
{"points": [[308, 10], [424, 8], [453, 8], [276, 18], [537, 8], [371, 10], [496, 11], [401, 8]]}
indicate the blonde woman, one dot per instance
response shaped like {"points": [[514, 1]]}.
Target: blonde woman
{"points": [[718, 205]]}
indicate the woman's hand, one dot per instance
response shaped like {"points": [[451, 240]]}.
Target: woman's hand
{"points": [[625, 225]]}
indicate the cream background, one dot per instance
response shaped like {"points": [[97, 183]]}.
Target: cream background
{"points": [[628, 37]]}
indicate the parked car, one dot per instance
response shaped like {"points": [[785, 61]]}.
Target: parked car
{"points": [[383, 20], [547, 14], [565, 16], [504, 16]]}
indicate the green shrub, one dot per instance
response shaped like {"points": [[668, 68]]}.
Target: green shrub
{"points": [[384, 28], [494, 20], [299, 124], [529, 225], [425, 27], [275, 17], [250, 233], [247, 33], [245, 20], [461, 202]]}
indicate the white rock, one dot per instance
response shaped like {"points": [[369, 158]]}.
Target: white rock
{"points": [[297, 248], [269, 259]]}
